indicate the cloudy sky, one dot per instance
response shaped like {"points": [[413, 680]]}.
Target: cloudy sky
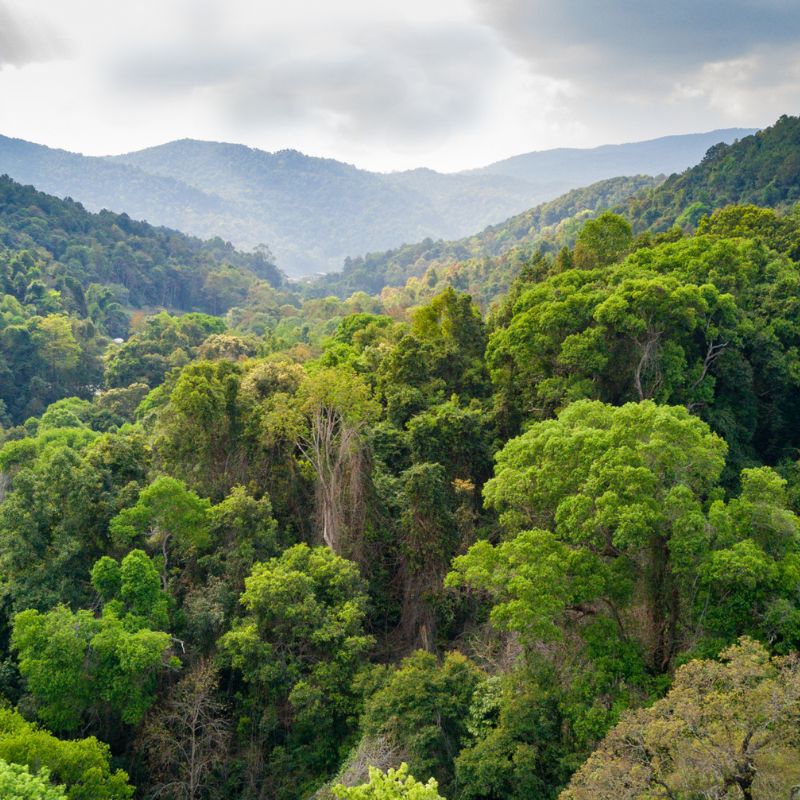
{"points": [[448, 84]]}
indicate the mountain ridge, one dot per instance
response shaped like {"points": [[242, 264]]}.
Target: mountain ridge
{"points": [[311, 211]]}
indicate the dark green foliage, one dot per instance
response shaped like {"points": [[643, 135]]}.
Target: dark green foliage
{"points": [[67, 485], [423, 709], [154, 266]]}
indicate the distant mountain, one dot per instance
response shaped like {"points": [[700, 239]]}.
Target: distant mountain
{"points": [[313, 212], [665, 155], [762, 168], [372, 272]]}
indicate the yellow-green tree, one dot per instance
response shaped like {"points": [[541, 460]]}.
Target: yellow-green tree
{"points": [[727, 729]]}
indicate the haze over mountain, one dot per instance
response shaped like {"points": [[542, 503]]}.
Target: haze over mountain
{"points": [[313, 212], [583, 166]]}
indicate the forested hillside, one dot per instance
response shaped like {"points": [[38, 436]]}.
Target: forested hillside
{"points": [[313, 212], [762, 169], [531, 229], [69, 280], [399, 548]]}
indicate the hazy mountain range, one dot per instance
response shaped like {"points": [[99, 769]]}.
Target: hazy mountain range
{"points": [[313, 212]]}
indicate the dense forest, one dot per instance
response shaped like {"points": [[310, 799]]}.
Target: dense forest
{"points": [[537, 226], [313, 212], [762, 168], [271, 545]]}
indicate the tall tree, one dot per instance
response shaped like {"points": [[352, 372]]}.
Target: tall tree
{"points": [[336, 406], [726, 729]]}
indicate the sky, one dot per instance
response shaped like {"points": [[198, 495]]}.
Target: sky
{"points": [[447, 84]]}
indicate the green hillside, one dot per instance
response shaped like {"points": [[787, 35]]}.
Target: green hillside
{"points": [[763, 168], [372, 272], [314, 212], [70, 278]]}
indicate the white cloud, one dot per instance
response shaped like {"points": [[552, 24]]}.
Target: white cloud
{"points": [[450, 84]]}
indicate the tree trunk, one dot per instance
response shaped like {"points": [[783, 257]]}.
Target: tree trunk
{"points": [[663, 605]]}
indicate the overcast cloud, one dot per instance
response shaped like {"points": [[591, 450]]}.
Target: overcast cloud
{"points": [[447, 84]]}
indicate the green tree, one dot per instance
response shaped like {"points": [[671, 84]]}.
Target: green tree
{"points": [[452, 327], [622, 489], [17, 783], [516, 748], [83, 669], [199, 428], [429, 541], [297, 650], [82, 765], [168, 518], [396, 784], [726, 729], [67, 484], [335, 407], [422, 711], [603, 241]]}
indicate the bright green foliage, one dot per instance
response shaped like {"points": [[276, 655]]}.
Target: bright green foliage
{"points": [[603, 241], [297, 650], [167, 516], [534, 579], [726, 730], [406, 381], [622, 490], [396, 784], [754, 569], [441, 357], [781, 233], [82, 765], [422, 710], [599, 473], [132, 590], [43, 358], [359, 330], [626, 495], [243, 531], [79, 667], [17, 783], [67, 484]]}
